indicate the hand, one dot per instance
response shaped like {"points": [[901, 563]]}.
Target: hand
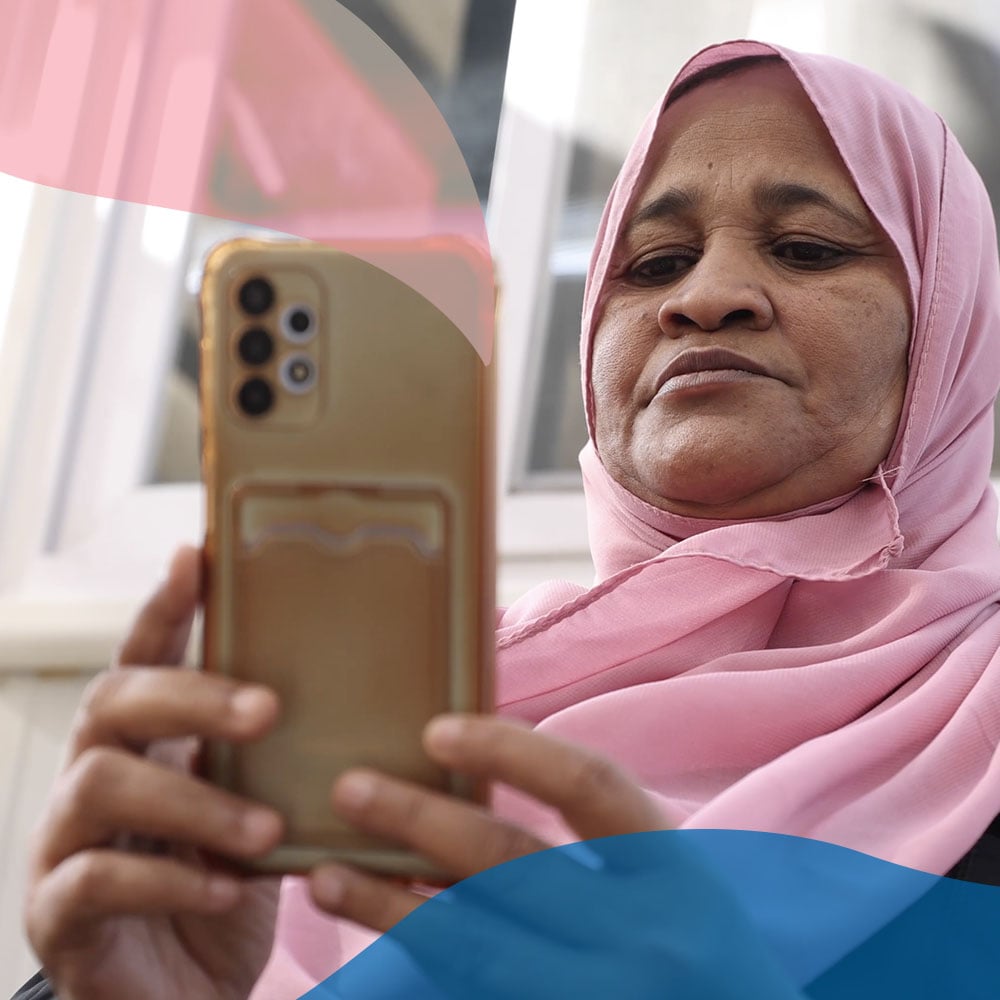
{"points": [[626, 916], [108, 920]]}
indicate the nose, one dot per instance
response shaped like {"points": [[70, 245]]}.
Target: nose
{"points": [[723, 290]]}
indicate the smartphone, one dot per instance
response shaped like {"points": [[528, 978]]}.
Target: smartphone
{"points": [[347, 454]]}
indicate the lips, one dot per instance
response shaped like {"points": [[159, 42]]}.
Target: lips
{"points": [[712, 359]]}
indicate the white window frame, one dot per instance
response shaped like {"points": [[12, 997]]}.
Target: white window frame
{"points": [[530, 176], [80, 385]]}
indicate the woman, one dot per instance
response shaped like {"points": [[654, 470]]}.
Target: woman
{"points": [[789, 376]]}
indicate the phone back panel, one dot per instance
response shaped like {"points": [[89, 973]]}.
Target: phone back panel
{"points": [[349, 545]]}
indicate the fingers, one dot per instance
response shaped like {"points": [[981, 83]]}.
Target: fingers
{"points": [[370, 901], [107, 792], [594, 797], [64, 909], [132, 708], [161, 629], [458, 838]]}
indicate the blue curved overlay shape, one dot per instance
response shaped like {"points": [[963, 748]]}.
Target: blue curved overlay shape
{"points": [[689, 915]]}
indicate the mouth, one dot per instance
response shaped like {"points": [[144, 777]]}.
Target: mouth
{"points": [[704, 367]]}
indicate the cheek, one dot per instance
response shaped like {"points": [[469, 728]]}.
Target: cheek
{"points": [[607, 378], [882, 356], [617, 362], [858, 364]]}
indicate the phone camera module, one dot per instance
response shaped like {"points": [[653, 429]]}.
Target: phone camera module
{"points": [[298, 323], [256, 296], [255, 346], [298, 374], [255, 397]]}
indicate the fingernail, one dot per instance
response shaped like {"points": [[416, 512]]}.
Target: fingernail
{"points": [[251, 702], [259, 827], [354, 790], [328, 887], [445, 732], [222, 892]]}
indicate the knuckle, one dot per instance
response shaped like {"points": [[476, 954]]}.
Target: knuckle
{"points": [[412, 807], [103, 688], [386, 910], [85, 878], [593, 778], [378, 904], [501, 843], [37, 922], [494, 743], [43, 832], [73, 888], [94, 772], [101, 691]]}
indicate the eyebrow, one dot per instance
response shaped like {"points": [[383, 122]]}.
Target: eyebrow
{"points": [[672, 203], [778, 197], [772, 197]]}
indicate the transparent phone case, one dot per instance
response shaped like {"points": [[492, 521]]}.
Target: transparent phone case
{"points": [[349, 549]]}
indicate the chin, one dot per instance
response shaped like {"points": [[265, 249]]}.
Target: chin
{"points": [[710, 500], [707, 487]]}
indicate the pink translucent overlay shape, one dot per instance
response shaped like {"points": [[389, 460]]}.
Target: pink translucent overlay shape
{"points": [[247, 110]]}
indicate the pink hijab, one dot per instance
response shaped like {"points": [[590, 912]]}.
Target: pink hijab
{"points": [[831, 673]]}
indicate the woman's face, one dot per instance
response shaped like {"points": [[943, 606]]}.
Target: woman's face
{"points": [[751, 353]]}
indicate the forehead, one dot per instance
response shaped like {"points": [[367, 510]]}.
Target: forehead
{"points": [[756, 121]]}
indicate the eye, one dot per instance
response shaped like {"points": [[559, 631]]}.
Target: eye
{"points": [[811, 256], [662, 268]]}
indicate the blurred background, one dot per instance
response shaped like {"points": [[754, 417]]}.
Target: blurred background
{"points": [[99, 328]]}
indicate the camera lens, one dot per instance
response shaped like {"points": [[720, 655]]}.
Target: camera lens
{"points": [[298, 374], [255, 346], [298, 323], [256, 296], [255, 397]]}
